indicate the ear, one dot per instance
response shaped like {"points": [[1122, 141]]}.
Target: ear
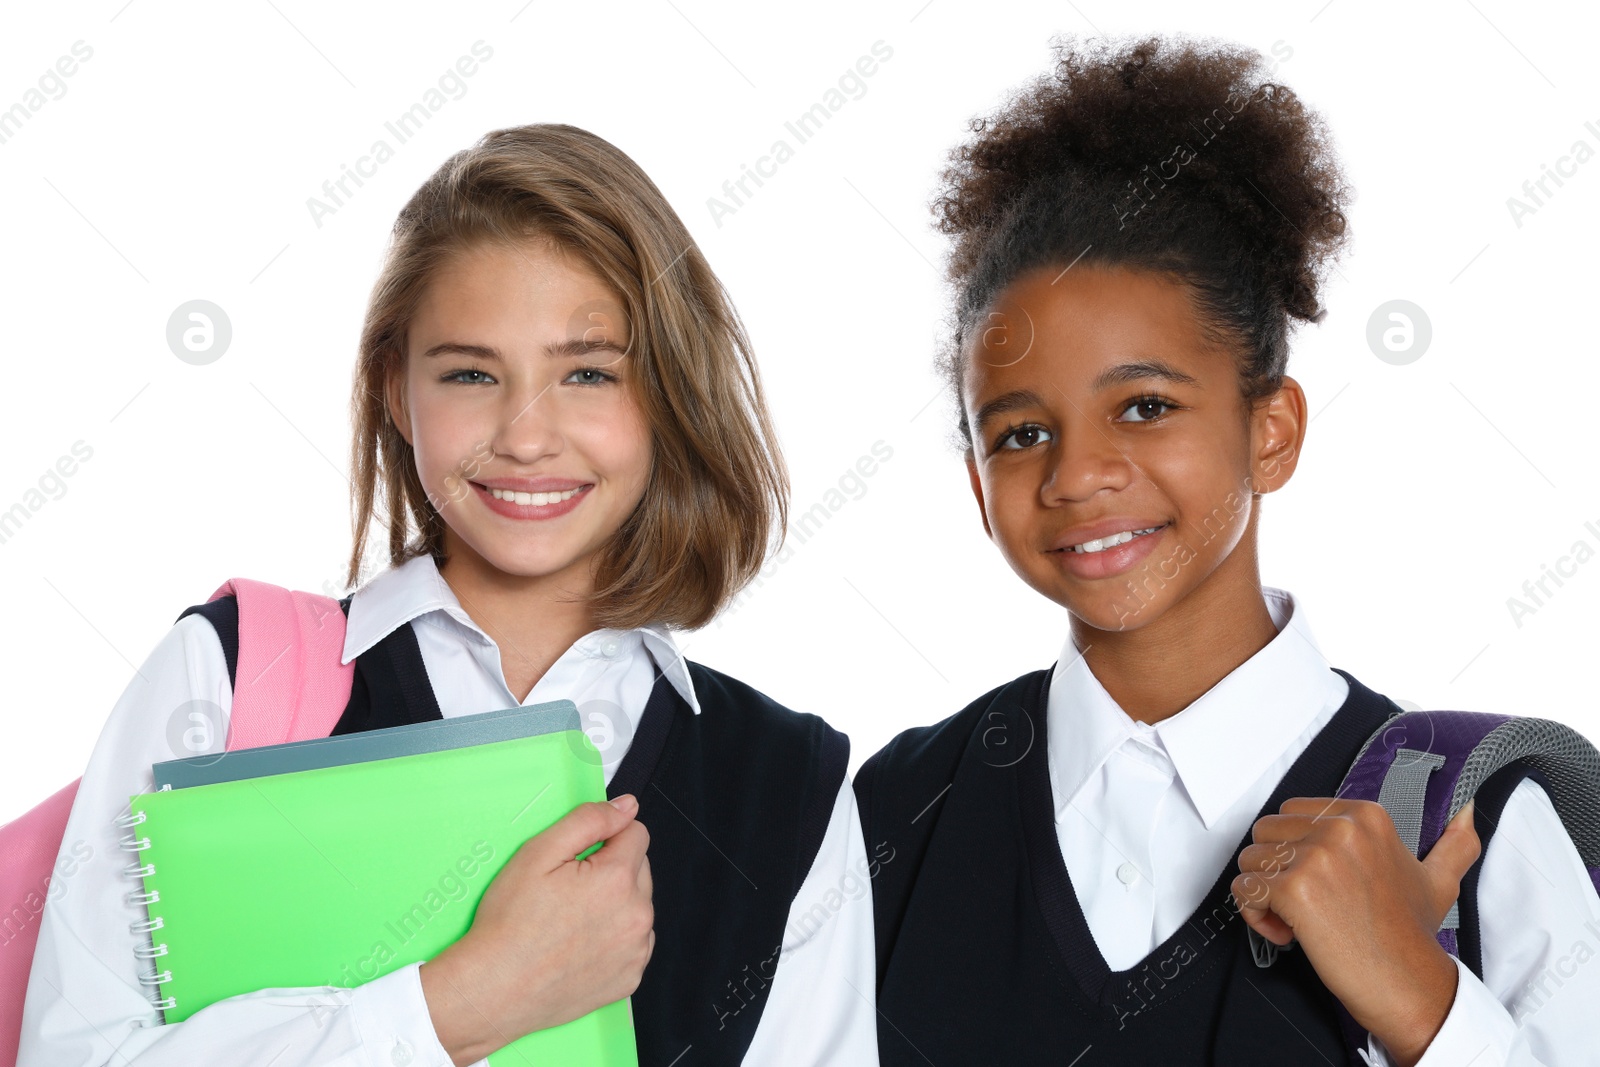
{"points": [[977, 492], [1277, 431], [395, 393]]}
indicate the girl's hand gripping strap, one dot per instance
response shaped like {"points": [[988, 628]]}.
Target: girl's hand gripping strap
{"points": [[1423, 767]]}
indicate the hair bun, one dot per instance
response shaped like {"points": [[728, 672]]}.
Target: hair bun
{"points": [[1174, 154]]}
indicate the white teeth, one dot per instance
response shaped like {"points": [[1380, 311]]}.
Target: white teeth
{"points": [[537, 499], [1113, 540]]}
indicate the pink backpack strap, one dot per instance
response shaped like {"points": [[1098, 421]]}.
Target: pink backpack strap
{"points": [[289, 684]]}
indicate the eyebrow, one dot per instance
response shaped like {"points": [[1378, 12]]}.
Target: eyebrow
{"points": [[1140, 370], [573, 346], [1016, 400]]}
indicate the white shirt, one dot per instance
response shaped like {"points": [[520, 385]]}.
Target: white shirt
{"points": [[86, 1008], [1148, 815]]}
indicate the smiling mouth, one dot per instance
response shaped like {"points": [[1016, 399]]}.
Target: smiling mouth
{"points": [[536, 499], [1112, 540]]}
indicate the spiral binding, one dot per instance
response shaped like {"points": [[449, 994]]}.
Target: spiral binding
{"points": [[153, 979]]}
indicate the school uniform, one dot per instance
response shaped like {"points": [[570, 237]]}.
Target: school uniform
{"points": [[1061, 879], [763, 920]]}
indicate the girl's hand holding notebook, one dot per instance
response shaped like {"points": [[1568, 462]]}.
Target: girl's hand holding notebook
{"points": [[554, 937]]}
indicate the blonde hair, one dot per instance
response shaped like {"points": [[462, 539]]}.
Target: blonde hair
{"points": [[718, 488]]}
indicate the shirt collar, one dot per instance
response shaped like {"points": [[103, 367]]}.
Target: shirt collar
{"points": [[416, 589], [1270, 699]]}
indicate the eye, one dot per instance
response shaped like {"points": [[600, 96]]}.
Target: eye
{"points": [[1020, 437], [590, 376], [455, 376], [1145, 409]]}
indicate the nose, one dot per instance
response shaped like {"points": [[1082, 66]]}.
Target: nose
{"points": [[528, 424], [1087, 461]]}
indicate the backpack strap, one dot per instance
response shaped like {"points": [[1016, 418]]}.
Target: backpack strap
{"points": [[1423, 767], [289, 683]]}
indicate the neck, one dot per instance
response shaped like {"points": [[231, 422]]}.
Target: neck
{"points": [[1159, 669], [533, 619]]}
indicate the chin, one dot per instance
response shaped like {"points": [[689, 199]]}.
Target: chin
{"points": [[527, 561], [1114, 611], [1128, 618], [540, 566]]}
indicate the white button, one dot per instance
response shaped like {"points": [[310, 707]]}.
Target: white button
{"points": [[609, 649], [1127, 874], [401, 1054]]}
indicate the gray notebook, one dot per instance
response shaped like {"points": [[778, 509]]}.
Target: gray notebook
{"points": [[433, 736]]}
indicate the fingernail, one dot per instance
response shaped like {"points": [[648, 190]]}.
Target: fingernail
{"points": [[624, 803]]}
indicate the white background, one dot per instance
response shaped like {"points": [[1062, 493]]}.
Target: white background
{"points": [[179, 160]]}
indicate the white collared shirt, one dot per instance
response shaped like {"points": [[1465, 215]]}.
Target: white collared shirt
{"points": [[1147, 816], [86, 1008]]}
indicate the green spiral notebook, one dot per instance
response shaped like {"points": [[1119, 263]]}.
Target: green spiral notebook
{"points": [[337, 875]]}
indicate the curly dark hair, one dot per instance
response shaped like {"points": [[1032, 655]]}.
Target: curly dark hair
{"points": [[1167, 154]]}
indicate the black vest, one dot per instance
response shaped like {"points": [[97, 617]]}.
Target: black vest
{"points": [[736, 800], [984, 955]]}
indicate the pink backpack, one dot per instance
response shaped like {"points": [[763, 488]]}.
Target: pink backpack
{"points": [[291, 687]]}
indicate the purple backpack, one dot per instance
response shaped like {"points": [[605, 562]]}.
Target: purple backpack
{"points": [[1423, 767]]}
